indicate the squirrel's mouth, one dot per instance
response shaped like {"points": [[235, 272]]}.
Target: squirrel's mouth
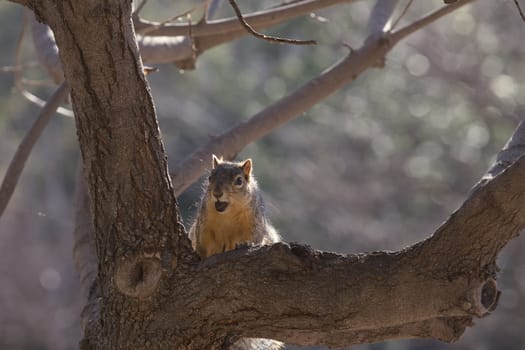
{"points": [[221, 206]]}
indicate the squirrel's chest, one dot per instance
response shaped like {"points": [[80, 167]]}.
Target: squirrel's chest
{"points": [[224, 232]]}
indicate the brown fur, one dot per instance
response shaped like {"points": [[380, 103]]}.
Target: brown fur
{"points": [[222, 232], [243, 218]]}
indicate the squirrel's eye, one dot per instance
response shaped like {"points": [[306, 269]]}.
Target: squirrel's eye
{"points": [[238, 181]]}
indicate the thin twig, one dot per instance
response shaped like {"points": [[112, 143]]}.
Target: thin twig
{"points": [[402, 14], [262, 36], [65, 112], [169, 20], [286, 3], [10, 69], [519, 9], [264, 18], [33, 82], [426, 20], [24, 149]]}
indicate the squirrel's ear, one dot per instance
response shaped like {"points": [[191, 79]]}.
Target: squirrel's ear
{"points": [[247, 167], [216, 161]]}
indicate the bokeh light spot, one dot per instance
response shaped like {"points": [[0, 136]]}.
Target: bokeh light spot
{"points": [[50, 279], [418, 64]]}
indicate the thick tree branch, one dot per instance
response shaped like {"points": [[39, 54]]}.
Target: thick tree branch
{"points": [[431, 289], [165, 49], [234, 140]]}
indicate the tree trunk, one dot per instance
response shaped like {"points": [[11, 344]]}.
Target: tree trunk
{"points": [[135, 213]]}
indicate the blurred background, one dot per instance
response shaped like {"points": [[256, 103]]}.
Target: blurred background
{"points": [[377, 166]]}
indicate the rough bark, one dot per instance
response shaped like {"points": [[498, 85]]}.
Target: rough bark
{"points": [[155, 294], [133, 204]]}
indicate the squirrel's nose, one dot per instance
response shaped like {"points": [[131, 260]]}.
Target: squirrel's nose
{"points": [[217, 194]]}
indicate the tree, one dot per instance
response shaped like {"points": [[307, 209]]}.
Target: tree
{"points": [[150, 283]]}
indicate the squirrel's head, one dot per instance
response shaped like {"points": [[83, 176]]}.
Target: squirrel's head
{"points": [[229, 184]]}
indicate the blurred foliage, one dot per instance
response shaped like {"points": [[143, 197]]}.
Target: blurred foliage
{"points": [[378, 165]]}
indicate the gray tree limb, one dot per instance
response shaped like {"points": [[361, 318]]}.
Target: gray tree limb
{"points": [[379, 17], [24, 149], [234, 140]]}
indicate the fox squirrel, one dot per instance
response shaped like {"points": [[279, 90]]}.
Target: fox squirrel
{"points": [[231, 211]]}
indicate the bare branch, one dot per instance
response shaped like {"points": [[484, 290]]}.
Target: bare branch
{"points": [[514, 148], [291, 106], [157, 26], [24, 149], [166, 43], [46, 49], [519, 10], [258, 20], [22, 2], [402, 14], [47, 53], [211, 8], [423, 22], [175, 45], [164, 49], [32, 82], [380, 16], [269, 38], [41, 103], [21, 67]]}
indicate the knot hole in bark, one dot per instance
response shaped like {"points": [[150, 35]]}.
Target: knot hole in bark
{"points": [[490, 295], [138, 276]]}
